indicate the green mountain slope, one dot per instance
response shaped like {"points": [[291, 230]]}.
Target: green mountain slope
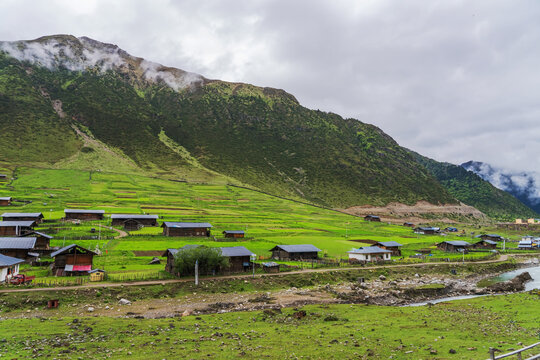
{"points": [[472, 190], [173, 123]]}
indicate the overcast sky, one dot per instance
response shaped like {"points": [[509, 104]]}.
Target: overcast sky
{"points": [[453, 80]]}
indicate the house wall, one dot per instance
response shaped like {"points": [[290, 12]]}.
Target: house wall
{"points": [[370, 257], [84, 216], [234, 235], [42, 243], [14, 270], [394, 249], [5, 202], [172, 231], [236, 263], [8, 231], [16, 253], [280, 254]]}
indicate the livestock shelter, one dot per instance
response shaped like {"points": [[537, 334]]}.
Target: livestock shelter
{"points": [[484, 244], [37, 217], [133, 221], [239, 257], [393, 246], [17, 247], [369, 254], [5, 201], [16, 228], [453, 246], [493, 237], [43, 240], [186, 229], [295, 252], [271, 267], [372, 218], [234, 233], [72, 260], [78, 214], [426, 230], [9, 266]]}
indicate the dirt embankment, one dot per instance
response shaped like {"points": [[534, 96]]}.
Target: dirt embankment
{"points": [[397, 212]]}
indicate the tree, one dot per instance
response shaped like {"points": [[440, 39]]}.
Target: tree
{"points": [[210, 260]]}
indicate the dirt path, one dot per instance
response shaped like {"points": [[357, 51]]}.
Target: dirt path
{"points": [[502, 258], [121, 233]]}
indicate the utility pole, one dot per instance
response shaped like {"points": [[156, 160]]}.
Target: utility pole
{"points": [[197, 272]]}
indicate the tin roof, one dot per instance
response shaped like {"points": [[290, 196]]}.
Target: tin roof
{"points": [[369, 250], [9, 261], [17, 223], [8, 198], [297, 248], [82, 211], [235, 251], [8, 215], [488, 242], [38, 233], [186, 225], [17, 243], [389, 243], [133, 216], [457, 243], [234, 232], [69, 247]]}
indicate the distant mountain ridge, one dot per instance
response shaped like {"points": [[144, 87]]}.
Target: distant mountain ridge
{"points": [[524, 186]]}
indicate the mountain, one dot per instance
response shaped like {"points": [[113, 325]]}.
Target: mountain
{"points": [[473, 190], [524, 186], [77, 102]]}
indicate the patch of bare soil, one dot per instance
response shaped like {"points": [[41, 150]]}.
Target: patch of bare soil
{"points": [[397, 212], [157, 253]]}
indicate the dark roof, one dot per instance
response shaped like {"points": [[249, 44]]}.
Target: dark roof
{"points": [[133, 216], [69, 247], [185, 225], [493, 235], [297, 248], [369, 250], [17, 243], [428, 228], [488, 242], [457, 243], [372, 216], [9, 261], [233, 232], [17, 223], [82, 211], [8, 215], [389, 243], [39, 233], [185, 247], [96, 271], [235, 251]]}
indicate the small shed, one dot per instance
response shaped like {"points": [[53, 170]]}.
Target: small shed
{"points": [[16, 228], [484, 244], [270, 267], [5, 201], [295, 252], [37, 217], [369, 254], [82, 214], [372, 218], [453, 246], [42, 240], [186, 229], [408, 224], [493, 237], [234, 233], [72, 260], [133, 221], [426, 230], [393, 246], [9, 266], [17, 247]]}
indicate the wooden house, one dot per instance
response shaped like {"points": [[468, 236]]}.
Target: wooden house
{"points": [[37, 217], [170, 253], [234, 233], [295, 252], [453, 246], [72, 260], [426, 230], [493, 237], [369, 254], [16, 228], [372, 218], [186, 229], [42, 240], [5, 201], [78, 214], [484, 244], [392, 246], [9, 266], [18, 247], [133, 221], [3, 177], [408, 224]]}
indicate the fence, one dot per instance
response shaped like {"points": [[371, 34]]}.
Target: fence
{"points": [[64, 281], [121, 277], [516, 352]]}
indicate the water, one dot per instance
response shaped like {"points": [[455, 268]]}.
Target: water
{"points": [[531, 285]]}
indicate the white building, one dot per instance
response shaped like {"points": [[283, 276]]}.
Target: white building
{"points": [[370, 253], [9, 266]]}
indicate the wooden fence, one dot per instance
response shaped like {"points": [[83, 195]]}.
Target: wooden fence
{"points": [[515, 352]]}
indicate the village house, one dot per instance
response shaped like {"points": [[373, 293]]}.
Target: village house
{"points": [[37, 217], [372, 218], [426, 230], [9, 267], [393, 246], [369, 254], [5, 201], [234, 233], [133, 221], [3, 177], [42, 240], [72, 260], [295, 252], [527, 244], [18, 247], [77, 214], [408, 224], [484, 244], [519, 221], [186, 229], [16, 228], [453, 246], [493, 237]]}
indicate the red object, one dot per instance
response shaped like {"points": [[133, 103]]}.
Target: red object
{"points": [[21, 279], [82, 267]]}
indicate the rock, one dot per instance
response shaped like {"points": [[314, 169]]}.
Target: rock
{"points": [[416, 275], [154, 261], [516, 284], [300, 314], [124, 302], [382, 277], [452, 351], [187, 312], [90, 309], [433, 352]]}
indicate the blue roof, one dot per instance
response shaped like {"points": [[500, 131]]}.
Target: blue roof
{"points": [[234, 231], [235, 251], [369, 250], [457, 243], [297, 248], [17, 243], [186, 225], [8, 215], [9, 261], [17, 223], [133, 216], [389, 243], [82, 211]]}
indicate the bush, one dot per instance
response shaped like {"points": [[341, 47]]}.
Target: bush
{"points": [[210, 260]]}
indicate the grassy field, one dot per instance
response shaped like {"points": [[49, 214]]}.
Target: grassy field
{"points": [[457, 330], [267, 220]]}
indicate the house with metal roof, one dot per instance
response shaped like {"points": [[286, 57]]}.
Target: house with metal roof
{"points": [[18, 247], [234, 233], [484, 244], [42, 240], [393, 246], [72, 260], [37, 217], [426, 230], [453, 246], [295, 252], [83, 214], [9, 266], [372, 218], [133, 221], [186, 229], [494, 237], [369, 254], [16, 228], [5, 200]]}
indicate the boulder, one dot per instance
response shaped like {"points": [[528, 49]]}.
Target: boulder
{"points": [[124, 302]]}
